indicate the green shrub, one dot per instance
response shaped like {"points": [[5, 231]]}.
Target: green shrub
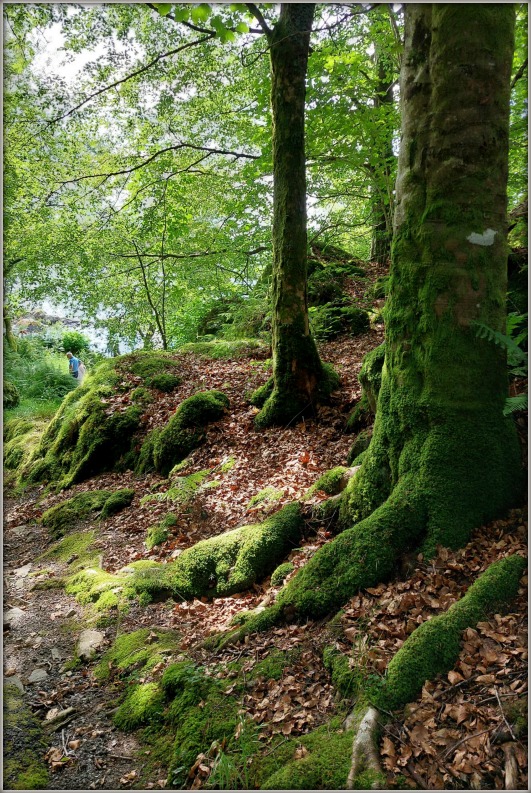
{"points": [[75, 342]]}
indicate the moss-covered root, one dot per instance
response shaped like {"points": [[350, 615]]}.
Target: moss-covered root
{"points": [[230, 562], [66, 515], [23, 745], [434, 646], [365, 770]]}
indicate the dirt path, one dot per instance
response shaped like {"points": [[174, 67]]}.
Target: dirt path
{"points": [[41, 628]]}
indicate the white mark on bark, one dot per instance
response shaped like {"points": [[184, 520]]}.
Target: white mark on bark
{"points": [[485, 239]]}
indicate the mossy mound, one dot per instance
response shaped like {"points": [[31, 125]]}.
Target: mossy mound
{"points": [[222, 348], [434, 647], [322, 765], [14, 427], [21, 439], [159, 532], [163, 382], [24, 746], [325, 285], [11, 395], [83, 439], [279, 573], [332, 320], [74, 549], [64, 516], [146, 363], [370, 378], [182, 491], [136, 652], [185, 430]]}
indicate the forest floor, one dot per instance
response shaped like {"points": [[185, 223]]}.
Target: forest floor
{"points": [[453, 737]]}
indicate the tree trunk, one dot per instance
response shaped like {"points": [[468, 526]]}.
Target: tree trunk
{"points": [[442, 459], [10, 336], [297, 369]]}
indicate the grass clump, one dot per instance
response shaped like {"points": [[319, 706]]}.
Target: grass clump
{"points": [[185, 430]]}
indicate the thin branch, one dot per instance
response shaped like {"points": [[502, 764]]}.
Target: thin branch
{"points": [[257, 14], [519, 73], [130, 76], [106, 176]]}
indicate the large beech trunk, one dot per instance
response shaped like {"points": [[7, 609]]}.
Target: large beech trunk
{"points": [[442, 458], [297, 368]]}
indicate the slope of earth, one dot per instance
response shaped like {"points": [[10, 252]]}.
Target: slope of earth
{"points": [[460, 733]]}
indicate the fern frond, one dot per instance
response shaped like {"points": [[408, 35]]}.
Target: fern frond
{"points": [[512, 404]]}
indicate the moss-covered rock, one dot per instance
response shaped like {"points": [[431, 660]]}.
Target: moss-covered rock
{"points": [[24, 745], [11, 396], [140, 650], [159, 532], [331, 482], [279, 573], [223, 348], [66, 515], [185, 430], [325, 286], [331, 320], [163, 382], [434, 646]]}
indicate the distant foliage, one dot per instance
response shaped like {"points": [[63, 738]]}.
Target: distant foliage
{"points": [[75, 342]]}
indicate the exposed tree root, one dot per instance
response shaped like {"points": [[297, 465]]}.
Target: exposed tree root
{"points": [[365, 754]]}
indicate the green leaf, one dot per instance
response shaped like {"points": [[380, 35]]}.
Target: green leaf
{"points": [[201, 12], [163, 8], [242, 27]]}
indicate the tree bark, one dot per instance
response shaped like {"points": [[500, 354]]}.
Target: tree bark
{"points": [[442, 459], [297, 369]]}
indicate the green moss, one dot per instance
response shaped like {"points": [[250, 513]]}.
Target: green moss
{"points": [[156, 535], [145, 463], [434, 646], [330, 321], [330, 482], [16, 426], [228, 563], [380, 288], [279, 573], [266, 496], [139, 650], [73, 545], [324, 767], [24, 745], [163, 382], [370, 375], [185, 430], [117, 501], [272, 666], [66, 515], [142, 395], [347, 678], [182, 492], [361, 443], [144, 704], [262, 393], [146, 364]]}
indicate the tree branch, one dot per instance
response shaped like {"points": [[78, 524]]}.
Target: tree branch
{"points": [[257, 14], [519, 74], [130, 76]]}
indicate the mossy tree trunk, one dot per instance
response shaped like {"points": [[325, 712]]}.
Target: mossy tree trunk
{"points": [[442, 458], [10, 336], [297, 368]]}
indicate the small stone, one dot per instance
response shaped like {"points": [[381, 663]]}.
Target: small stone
{"points": [[37, 676], [14, 617], [22, 572], [71, 613], [88, 643], [15, 681], [56, 654]]}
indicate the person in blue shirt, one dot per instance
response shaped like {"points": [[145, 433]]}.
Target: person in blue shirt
{"points": [[76, 367]]}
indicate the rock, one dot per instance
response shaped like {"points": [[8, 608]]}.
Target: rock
{"points": [[15, 681], [22, 572], [14, 617], [56, 654], [71, 613], [37, 676], [88, 643]]}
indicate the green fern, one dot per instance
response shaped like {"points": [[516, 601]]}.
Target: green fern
{"points": [[515, 355], [512, 404]]}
